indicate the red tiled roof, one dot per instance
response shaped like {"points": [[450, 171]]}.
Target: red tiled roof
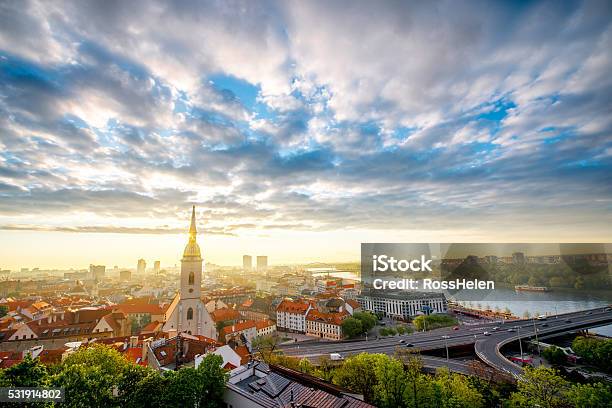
{"points": [[354, 304], [244, 354], [262, 324], [222, 315], [139, 309], [49, 357], [289, 306], [151, 327], [22, 304], [10, 358], [238, 327], [329, 318], [133, 354]]}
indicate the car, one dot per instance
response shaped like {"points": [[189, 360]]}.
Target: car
{"points": [[589, 313], [496, 328], [511, 330], [486, 333], [542, 317], [402, 341], [409, 345], [568, 320], [456, 328], [335, 357], [544, 324]]}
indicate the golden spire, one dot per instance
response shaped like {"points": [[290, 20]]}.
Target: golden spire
{"points": [[192, 249], [192, 229]]}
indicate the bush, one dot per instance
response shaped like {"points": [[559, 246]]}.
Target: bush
{"points": [[594, 351], [554, 355], [434, 321]]}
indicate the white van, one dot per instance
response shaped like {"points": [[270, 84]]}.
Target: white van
{"points": [[335, 357]]}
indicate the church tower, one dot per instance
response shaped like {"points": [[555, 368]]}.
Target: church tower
{"points": [[191, 264], [187, 313]]}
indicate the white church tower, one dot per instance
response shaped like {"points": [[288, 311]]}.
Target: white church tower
{"points": [[187, 313]]}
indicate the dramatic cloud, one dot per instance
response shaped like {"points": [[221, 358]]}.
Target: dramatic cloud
{"points": [[306, 116]]}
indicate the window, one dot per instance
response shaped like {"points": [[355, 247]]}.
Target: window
{"points": [[191, 278], [190, 313]]}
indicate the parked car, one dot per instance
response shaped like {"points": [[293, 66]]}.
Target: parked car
{"points": [[486, 333]]}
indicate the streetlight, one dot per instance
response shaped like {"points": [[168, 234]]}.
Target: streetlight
{"points": [[520, 343], [445, 337], [535, 331]]}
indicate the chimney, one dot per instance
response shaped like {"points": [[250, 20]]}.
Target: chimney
{"points": [[145, 348], [133, 341]]}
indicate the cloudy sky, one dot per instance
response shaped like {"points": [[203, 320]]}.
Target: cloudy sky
{"points": [[299, 128]]}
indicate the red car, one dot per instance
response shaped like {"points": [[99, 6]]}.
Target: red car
{"points": [[456, 328]]}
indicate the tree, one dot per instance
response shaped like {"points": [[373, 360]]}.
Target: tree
{"points": [[391, 381], [150, 391], [27, 373], [306, 367], [596, 395], [540, 387], [351, 327], [266, 346], [357, 374], [326, 369], [415, 380], [554, 355], [3, 310], [91, 376], [367, 319], [131, 378], [453, 390], [200, 387], [594, 351]]}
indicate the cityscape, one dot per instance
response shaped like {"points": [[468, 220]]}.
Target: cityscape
{"points": [[306, 204], [287, 323]]}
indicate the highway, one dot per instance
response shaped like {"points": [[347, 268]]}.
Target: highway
{"points": [[486, 347]]}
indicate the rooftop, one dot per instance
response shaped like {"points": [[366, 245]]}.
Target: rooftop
{"points": [[274, 386]]}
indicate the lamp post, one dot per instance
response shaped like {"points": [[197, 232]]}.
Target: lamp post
{"points": [[445, 337], [520, 343], [535, 331]]}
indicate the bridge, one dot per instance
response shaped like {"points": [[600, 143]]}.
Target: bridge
{"points": [[487, 340]]}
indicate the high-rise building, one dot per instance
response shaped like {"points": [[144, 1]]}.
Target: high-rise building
{"points": [[262, 263], [156, 267], [187, 313], [142, 267], [125, 276], [247, 262], [97, 272]]}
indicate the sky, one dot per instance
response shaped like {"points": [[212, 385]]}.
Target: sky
{"points": [[299, 129]]}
